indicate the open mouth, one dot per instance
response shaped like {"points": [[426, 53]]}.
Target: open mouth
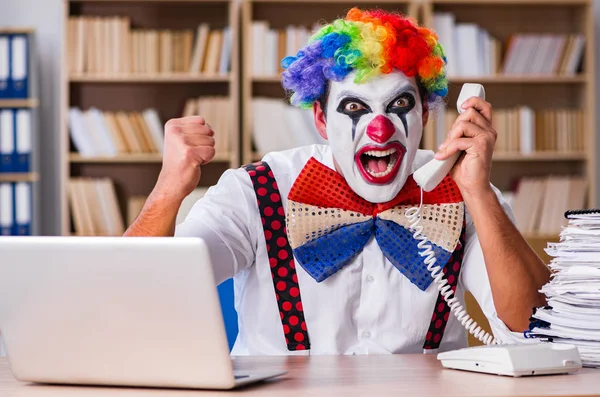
{"points": [[380, 164]]}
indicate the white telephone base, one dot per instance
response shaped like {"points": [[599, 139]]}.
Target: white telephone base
{"points": [[515, 360]]}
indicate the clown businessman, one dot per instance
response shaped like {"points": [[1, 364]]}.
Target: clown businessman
{"points": [[316, 238]]}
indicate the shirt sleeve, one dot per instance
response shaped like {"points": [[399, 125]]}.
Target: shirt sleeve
{"points": [[475, 279], [224, 219]]}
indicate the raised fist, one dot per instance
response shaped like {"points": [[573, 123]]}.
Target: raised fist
{"points": [[189, 144]]}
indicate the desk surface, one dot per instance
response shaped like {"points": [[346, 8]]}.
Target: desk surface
{"points": [[393, 375]]}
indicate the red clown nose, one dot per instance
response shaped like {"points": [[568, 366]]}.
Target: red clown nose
{"points": [[380, 129]]}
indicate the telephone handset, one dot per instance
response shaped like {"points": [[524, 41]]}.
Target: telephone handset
{"points": [[432, 173], [428, 177]]}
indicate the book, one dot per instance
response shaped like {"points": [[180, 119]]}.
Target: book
{"points": [[94, 207], [95, 132], [527, 131], [539, 202], [110, 46]]}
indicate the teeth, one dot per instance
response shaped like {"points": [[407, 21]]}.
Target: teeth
{"points": [[380, 153], [387, 171]]}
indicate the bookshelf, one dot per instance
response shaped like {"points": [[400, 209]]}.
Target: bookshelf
{"points": [[149, 33], [19, 170], [545, 95], [503, 19]]}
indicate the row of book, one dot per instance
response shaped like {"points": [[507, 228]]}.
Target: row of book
{"points": [[14, 66], [544, 54], [269, 46], [16, 208], [15, 140], [102, 133], [526, 131], [278, 126], [479, 53], [95, 211], [94, 207], [109, 46], [472, 51], [539, 203], [217, 111]]}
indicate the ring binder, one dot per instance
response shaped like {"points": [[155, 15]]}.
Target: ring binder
{"points": [[586, 211]]}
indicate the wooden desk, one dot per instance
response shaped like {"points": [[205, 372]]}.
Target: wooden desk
{"points": [[331, 376]]}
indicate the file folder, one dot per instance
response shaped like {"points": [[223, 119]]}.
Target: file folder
{"points": [[23, 208], [6, 209], [23, 136], [19, 66], [7, 140], [4, 66]]}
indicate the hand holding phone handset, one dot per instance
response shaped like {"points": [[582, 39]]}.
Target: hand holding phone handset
{"points": [[432, 173], [428, 177]]}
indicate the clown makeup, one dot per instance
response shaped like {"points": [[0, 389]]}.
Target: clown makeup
{"points": [[374, 130]]}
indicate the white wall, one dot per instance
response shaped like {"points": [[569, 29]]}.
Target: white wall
{"points": [[46, 16]]}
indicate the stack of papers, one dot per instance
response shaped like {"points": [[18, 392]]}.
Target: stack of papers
{"points": [[573, 293]]}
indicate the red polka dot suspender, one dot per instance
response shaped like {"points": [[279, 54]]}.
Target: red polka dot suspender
{"points": [[283, 271], [441, 311]]}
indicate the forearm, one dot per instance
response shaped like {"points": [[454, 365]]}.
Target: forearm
{"points": [[157, 218], [515, 271]]}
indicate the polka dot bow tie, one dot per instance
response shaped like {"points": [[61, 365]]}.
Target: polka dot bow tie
{"points": [[328, 224]]}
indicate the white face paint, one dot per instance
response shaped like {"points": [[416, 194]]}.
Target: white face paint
{"points": [[374, 130]]}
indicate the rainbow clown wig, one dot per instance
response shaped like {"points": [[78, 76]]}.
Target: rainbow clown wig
{"points": [[369, 43]]}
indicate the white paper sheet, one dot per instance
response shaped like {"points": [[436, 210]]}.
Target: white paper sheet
{"points": [[573, 292]]}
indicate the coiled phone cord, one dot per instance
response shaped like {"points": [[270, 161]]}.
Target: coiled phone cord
{"points": [[414, 216]]}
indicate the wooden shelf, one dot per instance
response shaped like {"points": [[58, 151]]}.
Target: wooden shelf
{"points": [[357, 2], [266, 79], [496, 79], [149, 1], [6, 30], [19, 177], [541, 236], [523, 79], [150, 78], [129, 158], [19, 103], [540, 156], [132, 158], [513, 2]]}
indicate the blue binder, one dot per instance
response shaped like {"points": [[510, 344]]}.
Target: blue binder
{"points": [[7, 213], [19, 66], [22, 208], [23, 136], [4, 65], [7, 140]]}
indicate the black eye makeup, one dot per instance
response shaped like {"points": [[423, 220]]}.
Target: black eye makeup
{"points": [[403, 103], [355, 109], [400, 106]]}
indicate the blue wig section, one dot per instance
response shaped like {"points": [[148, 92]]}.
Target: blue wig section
{"points": [[321, 60], [327, 254], [399, 246]]}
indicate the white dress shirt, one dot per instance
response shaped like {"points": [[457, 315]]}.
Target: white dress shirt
{"points": [[368, 307]]}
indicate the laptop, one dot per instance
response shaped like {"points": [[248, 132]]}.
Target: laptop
{"points": [[115, 311]]}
